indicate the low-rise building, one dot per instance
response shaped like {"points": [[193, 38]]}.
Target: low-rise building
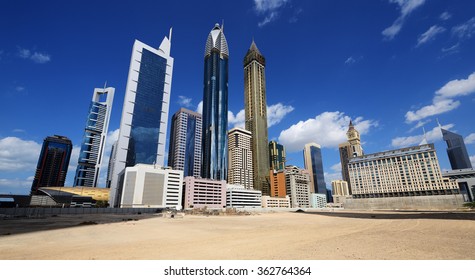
{"points": [[275, 202], [318, 200], [238, 196], [204, 193]]}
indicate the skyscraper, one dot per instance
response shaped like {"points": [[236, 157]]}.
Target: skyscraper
{"points": [[143, 126], [94, 140], [276, 156], [53, 163], [314, 164], [456, 150], [215, 106], [184, 152], [240, 158], [256, 115]]}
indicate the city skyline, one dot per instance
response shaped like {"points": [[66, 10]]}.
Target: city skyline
{"points": [[392, 75]]}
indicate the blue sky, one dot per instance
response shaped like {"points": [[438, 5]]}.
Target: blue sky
{"points": [[392, 66]]}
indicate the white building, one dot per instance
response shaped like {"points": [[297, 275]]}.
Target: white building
{"points": [[201, 193], [318, 200], [143, 126], [151, 186], [238, 196], [297, 183], [94, 139], [275, 202], [240, 170]]}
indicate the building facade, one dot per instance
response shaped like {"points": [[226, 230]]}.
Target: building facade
{"points": [[277, 156], [240, 158], [184, 151], [151, 186], [277, 187], [255, 107], [350, 149], [204, 193], [53, 163], [340, 191], [412, 171], [94, 139], [238, 196], [297, 183], [314, 164], [275, 202], [215, 107], [456, 150], [318, 200], [143, 126]]}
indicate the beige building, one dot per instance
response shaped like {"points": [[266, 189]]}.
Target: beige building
{"points": [[240, 170], [350, 149], [297, 182], [340, 191], [255, 107], [275, 202], [412, 171]]}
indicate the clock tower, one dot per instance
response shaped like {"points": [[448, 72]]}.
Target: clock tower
{"points": [[354, 140]]}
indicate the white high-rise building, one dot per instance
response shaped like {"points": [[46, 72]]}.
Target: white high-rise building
{"points": [[151, 186], [143, 127], [240, 167], [297, 182], [94, 140]]}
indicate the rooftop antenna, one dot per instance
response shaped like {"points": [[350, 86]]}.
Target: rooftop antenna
{"points": [[222, 25], [105, 86], [438, 123], [170, 34]]}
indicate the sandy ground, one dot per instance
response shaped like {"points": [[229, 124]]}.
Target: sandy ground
{"points": [[269, 236]]}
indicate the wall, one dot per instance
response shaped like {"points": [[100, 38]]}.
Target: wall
{"points": [[436, 202]]}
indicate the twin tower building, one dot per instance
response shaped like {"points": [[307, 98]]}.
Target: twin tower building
{"points": [[198, 143]]}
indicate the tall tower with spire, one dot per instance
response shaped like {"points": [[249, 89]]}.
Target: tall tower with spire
{"points": [[354, 139], [215, 106], [351, 148], [255, 107]]}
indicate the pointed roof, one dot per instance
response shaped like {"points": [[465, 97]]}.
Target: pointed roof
{"points": [[254, 48], [216, 40]]}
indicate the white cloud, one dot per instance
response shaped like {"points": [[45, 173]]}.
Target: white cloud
{"points": [[443, 100], [430, 34], [270, 10], [406, 7], [451, 49], [112, 136], [277, 112], [73, 161], [445, 16], [35, 57], [465, 30], [336, 167], [19, 88], [327, 129], [18, 155], [184, 101], [456, 88], [437, 108], [432, 136], [16, 183], [238, 120], [199, 108], [329, 177], [350, 60], [419, 124], [40, 57], [470, 139]]}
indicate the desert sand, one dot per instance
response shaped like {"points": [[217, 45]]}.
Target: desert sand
{"points": [[267, 236]]}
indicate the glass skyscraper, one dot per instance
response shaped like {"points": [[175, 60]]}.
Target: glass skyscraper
{"points": [[215, 107], [143, 126], [53, 163], [184, 152], [276, 156], [314, 164], [94, 140], [456, 150]]}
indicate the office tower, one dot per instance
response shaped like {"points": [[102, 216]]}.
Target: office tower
{"points": [[276, 156], [53, 163], [351, 148], [215, 107], [313, 163], [151, 186], [456, 150], [412, 171], [240, 169], [94, 139], [297, 183], [110, 166], [255, 107], [143, 126], [184, 152]]}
